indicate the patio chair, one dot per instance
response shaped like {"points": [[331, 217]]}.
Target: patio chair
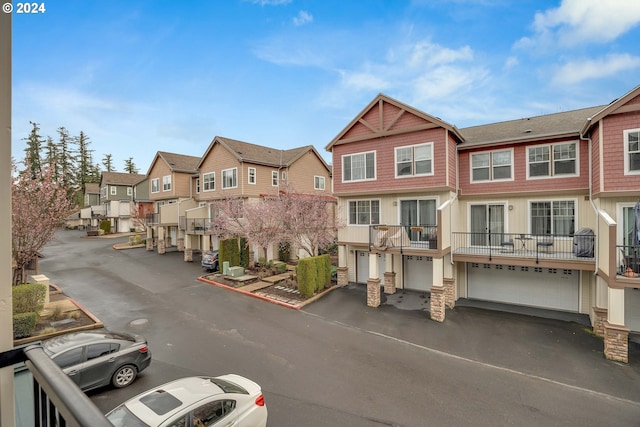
{"points": [[544, 243], [507, 246]]}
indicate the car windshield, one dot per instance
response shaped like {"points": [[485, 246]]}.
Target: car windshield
{"points": [[122, 417]]}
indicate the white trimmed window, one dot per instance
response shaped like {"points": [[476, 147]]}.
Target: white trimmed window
{"points": [[632, 151], [129, 191], [197, 185], [492, 166], [252, 176], [155, 185], [414, 160], [113, 189], [209, 181], [364, 212], [318, 182], [284, 175], [359, 167], [230, 178], [556, 217], [552, 160], [166, 183], [274, 178]]}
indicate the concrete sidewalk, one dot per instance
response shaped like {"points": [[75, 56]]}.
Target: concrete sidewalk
{"points": [[551, 349]]}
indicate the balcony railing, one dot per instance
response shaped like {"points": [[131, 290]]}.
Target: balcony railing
{"points": [[566, 247], [628, 261], [152, 218], [56, 400], [198, 226], [383, 237]]}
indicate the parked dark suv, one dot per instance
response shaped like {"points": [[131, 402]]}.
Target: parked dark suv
{"points": [[210, 260], [97, 358]]}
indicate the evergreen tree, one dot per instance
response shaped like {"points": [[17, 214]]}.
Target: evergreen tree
{"points": [[84, 160], [66, 161], [32, 152], [107, 162], [129, 166], [51, 158]]}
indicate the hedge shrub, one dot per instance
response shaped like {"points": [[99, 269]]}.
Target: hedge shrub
{"points": [[24, 324], [244, 252], [307, 277], [29, 297], [105, 226], [229, 251]]}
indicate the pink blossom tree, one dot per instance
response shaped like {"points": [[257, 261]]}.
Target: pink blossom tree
{"points": [[39, 205]]}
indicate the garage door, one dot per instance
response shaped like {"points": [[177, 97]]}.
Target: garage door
{"points": [[550, 288], [632, 309], [418, 272], [362, 266]]}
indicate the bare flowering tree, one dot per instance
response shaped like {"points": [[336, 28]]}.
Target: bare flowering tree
{"points": [[39, 205]]}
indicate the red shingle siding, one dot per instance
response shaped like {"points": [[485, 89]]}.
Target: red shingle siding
{"points": [[613, 156], [595, 159]]}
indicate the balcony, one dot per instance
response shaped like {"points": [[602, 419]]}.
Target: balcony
{"points": [[403, 237], [152, 219], [532, 247], [45, 395], [628, 261], [197, 225]]}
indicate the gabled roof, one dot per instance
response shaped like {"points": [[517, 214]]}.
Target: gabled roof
{"points": [[121, 178], [261, 155], [616, 106], [403, 108], [177, 162], [91, 187], [538, 128]]}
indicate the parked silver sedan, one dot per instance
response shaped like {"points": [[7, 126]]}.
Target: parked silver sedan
{"points": [[98, 358]]}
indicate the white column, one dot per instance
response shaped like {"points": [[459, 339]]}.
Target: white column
{"points": [[615, 313], [373, 266]]}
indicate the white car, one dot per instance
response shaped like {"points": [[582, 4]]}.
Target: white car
{"points": [[227, 400]]}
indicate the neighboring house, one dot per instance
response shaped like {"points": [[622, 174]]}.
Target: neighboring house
{"points": [[170, 184], [534, 212], [93, 210], [116, 196], [231, 168], [142, 205]]}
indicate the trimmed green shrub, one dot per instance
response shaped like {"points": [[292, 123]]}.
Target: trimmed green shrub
{"points": [[282, 268], [307, 277], [24, 324], [229, 251], [325, 260], [29, 297], [320, 279], [244, 252], [105, 226]]}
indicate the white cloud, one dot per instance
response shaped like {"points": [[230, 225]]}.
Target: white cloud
{"points": [[585, 69], [364, 81], [302, 18], [583, 21], [271, 2], [427, 54], [511, 62]]}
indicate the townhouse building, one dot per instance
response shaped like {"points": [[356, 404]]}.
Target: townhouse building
{"points": [[117, 199], [536, 212], [231, 169]]}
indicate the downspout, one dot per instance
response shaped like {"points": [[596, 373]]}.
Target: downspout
{"points": [[455, 196], [591, 202]]}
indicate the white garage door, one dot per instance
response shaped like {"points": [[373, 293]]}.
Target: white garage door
{"points": [[418, 272], [362, 267], [632, 309], [550, 288]]}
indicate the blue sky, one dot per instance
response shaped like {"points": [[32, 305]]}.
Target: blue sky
{"points": [[140, 76]]}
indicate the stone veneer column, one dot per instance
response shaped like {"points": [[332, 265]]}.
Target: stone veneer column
{"points": [[343, 276], [599, 319], [449, 292], [389, 282], [188, 255], [180, 245], [373, 292], [616, 342], [437, 305], [149, 238], [161, 246]]}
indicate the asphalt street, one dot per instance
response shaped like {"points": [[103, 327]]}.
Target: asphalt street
{"points": [[338, 362]]}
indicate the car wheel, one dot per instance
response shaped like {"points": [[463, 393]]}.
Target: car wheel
{"points": [[215, 266], [124, 376]]}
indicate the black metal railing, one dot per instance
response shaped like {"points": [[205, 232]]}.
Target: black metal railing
{"points": [[628, 261], [570, 247], [382, 237], [57, 400], [152, 218], [198, 226]]}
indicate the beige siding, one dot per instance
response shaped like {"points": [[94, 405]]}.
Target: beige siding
{"points": [[301, 174], [181, 184], [218, 159], [158, 170]]}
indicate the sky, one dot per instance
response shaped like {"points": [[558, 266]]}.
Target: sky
{"points": [[141, 76]]}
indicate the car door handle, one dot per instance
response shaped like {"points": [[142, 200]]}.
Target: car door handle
{"points": [[74, 372]]}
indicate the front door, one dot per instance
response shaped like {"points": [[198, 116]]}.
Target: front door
{"points": [[485, 220]]}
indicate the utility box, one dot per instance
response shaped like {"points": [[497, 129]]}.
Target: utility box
{"points": [[236, 271]]}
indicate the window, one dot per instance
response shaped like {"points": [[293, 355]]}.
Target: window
{"points": [[69, 358], [414, 160], [102, 349], [166, 183], [274, 178], [209, 413], [364, 212], [284, 175], [113, 189], [553, 217], [129, 191], [229, 178], [318, 182], [209, 181], [197, 185], [491, 166], [252, 175], [359, 167], [552, 160], [155, 185], [632, 151]]}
